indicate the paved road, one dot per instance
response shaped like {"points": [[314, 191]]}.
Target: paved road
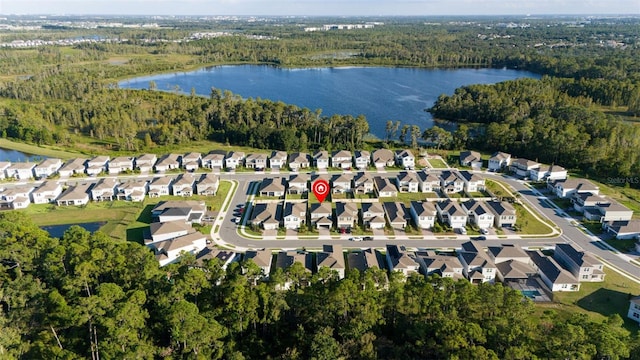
{"points": [[570, 232]]}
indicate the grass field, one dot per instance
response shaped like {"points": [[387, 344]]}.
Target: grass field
{"points": [[496, 189], [405, 197], [597, 300], [529, 225], [437, 164]]}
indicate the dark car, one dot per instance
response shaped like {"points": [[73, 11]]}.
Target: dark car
{"points": [[367, 238]]}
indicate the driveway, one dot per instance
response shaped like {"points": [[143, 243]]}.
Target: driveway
{"points": [[378, 232]]}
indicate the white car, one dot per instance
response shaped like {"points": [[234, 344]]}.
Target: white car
{"points": [[356, 238]]}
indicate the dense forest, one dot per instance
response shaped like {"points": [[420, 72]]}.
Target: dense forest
{"points": [[546, 120], [86, 296]]}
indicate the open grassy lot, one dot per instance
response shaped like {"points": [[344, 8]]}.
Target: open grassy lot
{"points": [[597, 300], [437, 164], [496, 189], [529, 225], [405, 197]]}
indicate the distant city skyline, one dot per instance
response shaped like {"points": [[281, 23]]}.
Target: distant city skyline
{"points": [[319, 8]]}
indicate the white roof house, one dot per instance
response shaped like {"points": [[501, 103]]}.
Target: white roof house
{"points": [[20, 171], [47, 168], [46, 193]]}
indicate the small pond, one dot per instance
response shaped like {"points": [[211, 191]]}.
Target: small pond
{"points": [[58, 230]]}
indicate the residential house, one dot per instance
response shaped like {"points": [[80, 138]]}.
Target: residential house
{"points": [[472, 182], [363, 183], [552, 274], [399, 259], [504, 214], [506, 252], [266, 216], [272, 187], [609, 211], [168, 251], [321, 215], [450, 182], [405, 159], [17, 197], [407, 182], [294, 215], [634, 309], [424, 214], [278, 160], [72, 167], [623, 230], [286, 259], [298, 184], [47, 168], [46, 193], [298, 160], [262, 258], [428, 182], [256, 161], [477, 266], [144, 163], [191, 161], [187, 211], [364, 260], [161, 231], [331, 257], [585, 200], [208, 184], [479, 213], [346, 215], [362, 159], [522, 167], [451, 213], [499, 161], [584, 266], [395, 214], [234, 159], [104, 190], [20, 170], [120, 164], [568, 187], [167, 162], [515, 271], [4, 165], [132, 190], [548, 173], [214, 160], [382, 158], [471, 158], [97, 165], [342, 159], [223, 257], [183, 185], [76, 195], [160, 186], [373, 215], [442, 265], [384, 187], [321, 159], [341, 184]]}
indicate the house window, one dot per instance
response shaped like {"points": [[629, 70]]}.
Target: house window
{"points": [[564, 286], [585, 277], [636, 306], [636, 315]]}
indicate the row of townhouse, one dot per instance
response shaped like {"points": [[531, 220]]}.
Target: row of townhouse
{"points": [[564, 271], [107, 189], [506, 263], [376, 215], [521, 167], [364, 183], [171, 232]]}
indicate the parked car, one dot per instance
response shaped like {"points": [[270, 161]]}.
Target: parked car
{"points": [[484, 231], [356, 238], [368, 238]]}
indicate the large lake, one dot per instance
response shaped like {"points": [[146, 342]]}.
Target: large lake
{"points": [[18, 156], [380, 93]]}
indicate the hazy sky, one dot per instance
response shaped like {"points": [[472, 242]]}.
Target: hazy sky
{"points": [[318, 7]]}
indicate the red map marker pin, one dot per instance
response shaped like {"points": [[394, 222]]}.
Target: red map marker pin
{"points": [[320, 189]]}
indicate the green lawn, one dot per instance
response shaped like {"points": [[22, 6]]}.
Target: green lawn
{"points": [[624, 246], [528, 224], [437, 164], [496, 189], [405, 197], [598, 300]]}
